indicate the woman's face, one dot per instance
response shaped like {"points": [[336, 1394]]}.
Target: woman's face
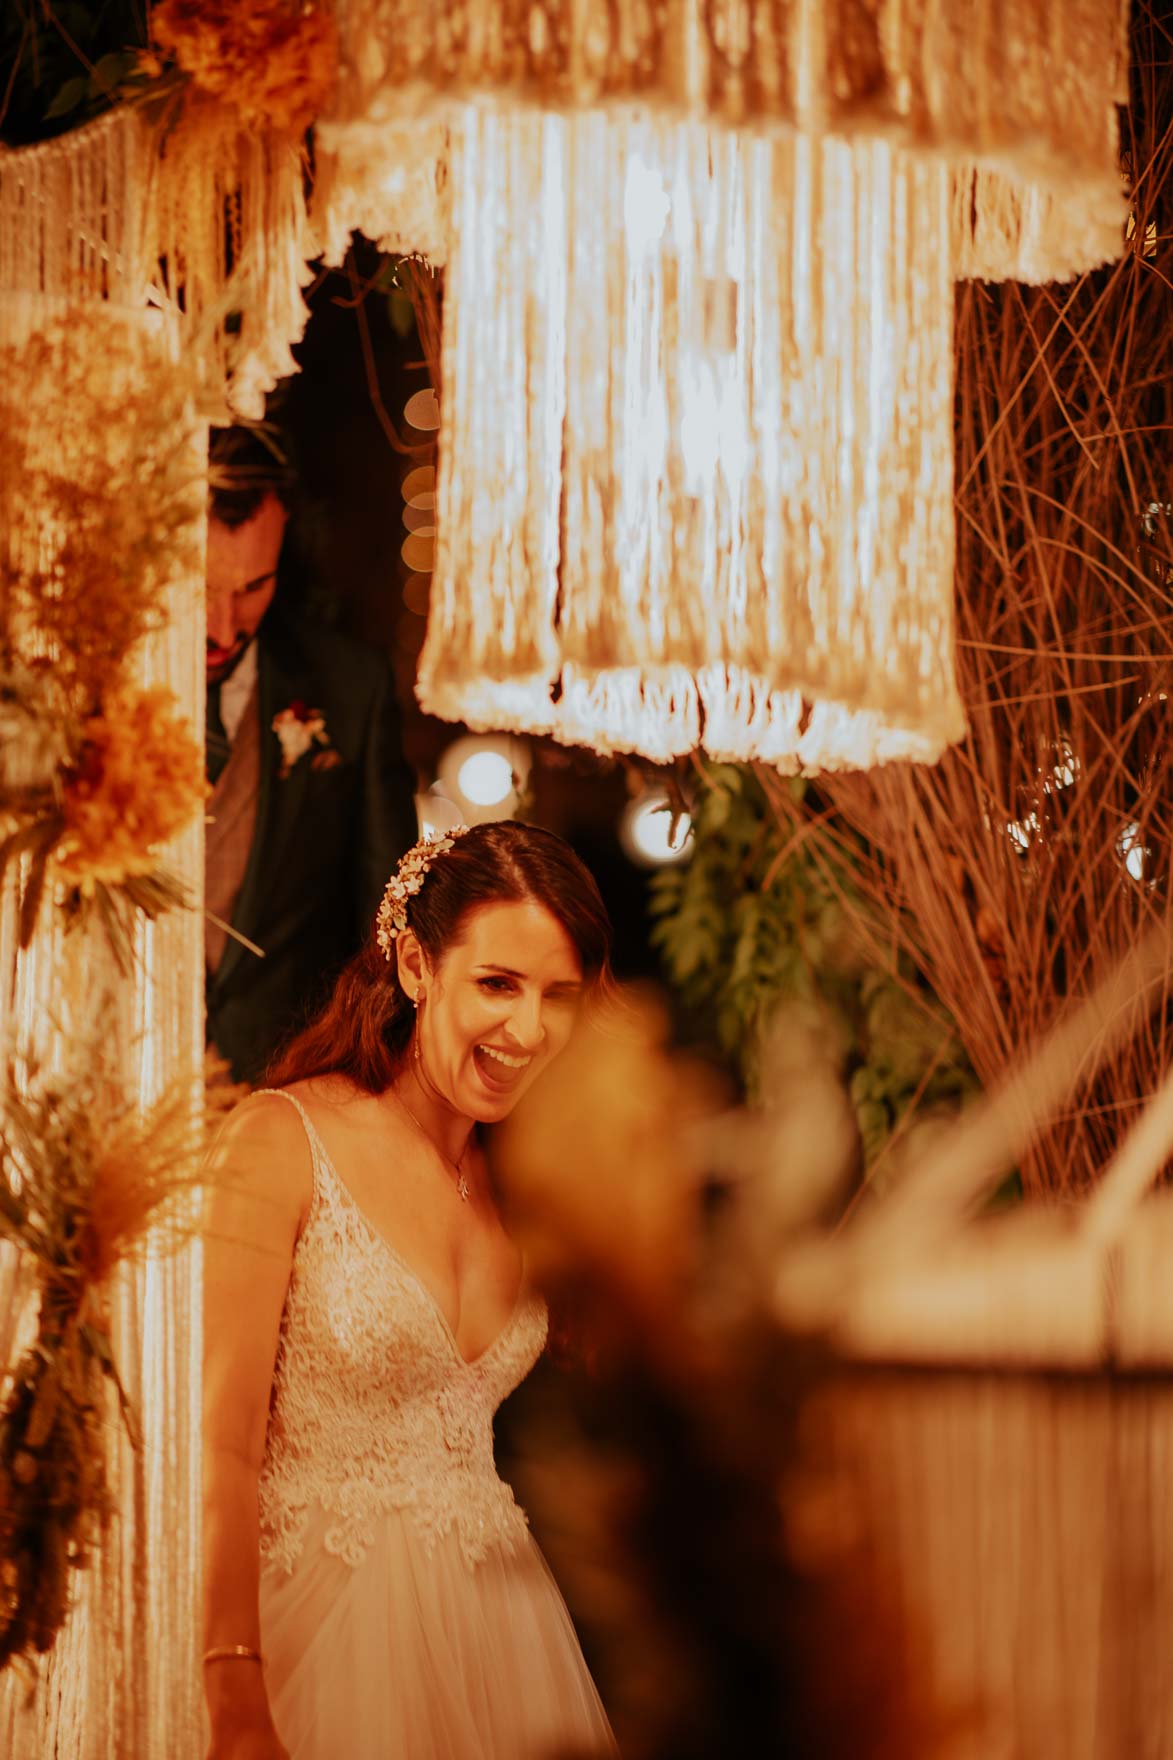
{"points": [[501, 1005]]}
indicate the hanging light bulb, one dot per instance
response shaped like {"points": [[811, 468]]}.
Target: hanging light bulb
{"points": [[652, 835], [485, 774]]}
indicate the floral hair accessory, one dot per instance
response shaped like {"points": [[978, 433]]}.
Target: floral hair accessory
{"points": [[406, 881]]}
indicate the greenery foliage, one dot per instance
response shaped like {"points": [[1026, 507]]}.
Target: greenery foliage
{"points": [[761, 917], [65, 62]]}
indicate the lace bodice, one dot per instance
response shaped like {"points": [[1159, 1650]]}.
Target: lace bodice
{"points": [[373, 1406]]}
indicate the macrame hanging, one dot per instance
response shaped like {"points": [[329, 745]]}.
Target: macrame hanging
{"points": [[703, 570], [231, 232], [384, 174], [695, 449], [73, 213], [192, 213], [1019, 96], [121, 1677]]}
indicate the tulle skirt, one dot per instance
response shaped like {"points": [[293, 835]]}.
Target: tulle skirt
{"points": [[415, 1655]]}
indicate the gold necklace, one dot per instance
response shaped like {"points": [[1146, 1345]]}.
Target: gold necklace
{"points": [[462, 1185]]}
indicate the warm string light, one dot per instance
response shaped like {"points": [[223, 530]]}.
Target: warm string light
{"points": [[696, 487]]}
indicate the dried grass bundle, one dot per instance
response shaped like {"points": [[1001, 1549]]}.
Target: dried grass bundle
{"points": [[1039, 850], [88, 1180]]}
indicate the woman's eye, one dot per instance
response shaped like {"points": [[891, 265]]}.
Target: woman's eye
{"points": [[495, 984]]}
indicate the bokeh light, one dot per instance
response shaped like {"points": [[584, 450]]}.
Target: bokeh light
{"points": [[650, 834]]}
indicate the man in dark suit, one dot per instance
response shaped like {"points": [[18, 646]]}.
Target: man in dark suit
{"points": [[312, 803]]}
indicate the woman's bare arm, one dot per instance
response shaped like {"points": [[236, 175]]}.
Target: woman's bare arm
{"points": [[259, 1188]]}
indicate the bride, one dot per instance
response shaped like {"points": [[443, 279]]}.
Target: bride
{"points": [[371, 1589]]}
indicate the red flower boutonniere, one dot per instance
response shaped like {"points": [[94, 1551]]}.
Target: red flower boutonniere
{"points": [[299, 730]]}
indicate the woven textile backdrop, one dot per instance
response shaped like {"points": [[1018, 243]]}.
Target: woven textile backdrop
{"points": [[122, 1678]]}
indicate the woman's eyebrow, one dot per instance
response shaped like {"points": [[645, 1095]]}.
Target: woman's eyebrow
{"points": [[509, 972]]}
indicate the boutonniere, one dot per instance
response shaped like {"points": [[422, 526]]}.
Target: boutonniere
{"points": [[299, 730]]}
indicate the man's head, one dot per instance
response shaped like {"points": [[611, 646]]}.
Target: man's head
{"points": [[242, 578], [247, 513]]}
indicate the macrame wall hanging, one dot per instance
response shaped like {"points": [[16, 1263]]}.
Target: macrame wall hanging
{"points": [[151, 268], [695, 480], [229, 225], [696, 538], [186, 210], [96, 426]]}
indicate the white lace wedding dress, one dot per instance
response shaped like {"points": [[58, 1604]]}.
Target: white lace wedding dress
{"points": [[406, 1612]]}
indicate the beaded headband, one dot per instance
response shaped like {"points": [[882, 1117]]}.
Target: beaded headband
{"points": [[406, 881]]}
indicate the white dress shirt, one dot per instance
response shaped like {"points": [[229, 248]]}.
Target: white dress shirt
{"points": [[237, 689]]}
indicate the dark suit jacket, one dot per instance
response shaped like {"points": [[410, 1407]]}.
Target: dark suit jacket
{"points": [[326, 839]]}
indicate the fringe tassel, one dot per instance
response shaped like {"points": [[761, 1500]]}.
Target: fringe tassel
{"points": [[841, 738], [386, 176], [72, 213], [230, 228], [1005, 229], [487, 705], [744, 720], [196, 215], [495, 587], [627, 709]]}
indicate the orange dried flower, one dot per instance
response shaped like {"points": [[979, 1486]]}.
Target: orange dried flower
{"points": [[273, 61], [139, 780], [101, 499]]}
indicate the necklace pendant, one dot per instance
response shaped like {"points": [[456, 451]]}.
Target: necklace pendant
{"points": [[462, 1188]]}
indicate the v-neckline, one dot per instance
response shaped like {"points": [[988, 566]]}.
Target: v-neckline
{"points": [[408, 1270]]}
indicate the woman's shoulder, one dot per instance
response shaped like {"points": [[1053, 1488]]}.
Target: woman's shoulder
{"points": [[261, 1165], [263, 1116], [269, 1111], [264, 1139], [332, 1107]]}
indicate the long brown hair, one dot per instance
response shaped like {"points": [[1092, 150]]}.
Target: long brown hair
{"points": [[365, 1027]]}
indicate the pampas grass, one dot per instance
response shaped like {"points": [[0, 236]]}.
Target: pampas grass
{"points": [[89, 1180]]}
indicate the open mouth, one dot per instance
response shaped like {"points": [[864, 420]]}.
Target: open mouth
{"points": [[500, 1070]]}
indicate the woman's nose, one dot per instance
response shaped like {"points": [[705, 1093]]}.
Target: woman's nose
{"points": [[525, 1023]]}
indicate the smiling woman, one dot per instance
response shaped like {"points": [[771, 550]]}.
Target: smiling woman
{"points": [[370, 1584], [369, 1021]]}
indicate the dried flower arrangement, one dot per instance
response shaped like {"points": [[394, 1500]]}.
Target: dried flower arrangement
{"points": [[88, 1181], [273, 62], [100, 504]]}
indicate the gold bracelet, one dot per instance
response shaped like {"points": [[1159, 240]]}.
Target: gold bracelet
{"points": [[233, 1653]]}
